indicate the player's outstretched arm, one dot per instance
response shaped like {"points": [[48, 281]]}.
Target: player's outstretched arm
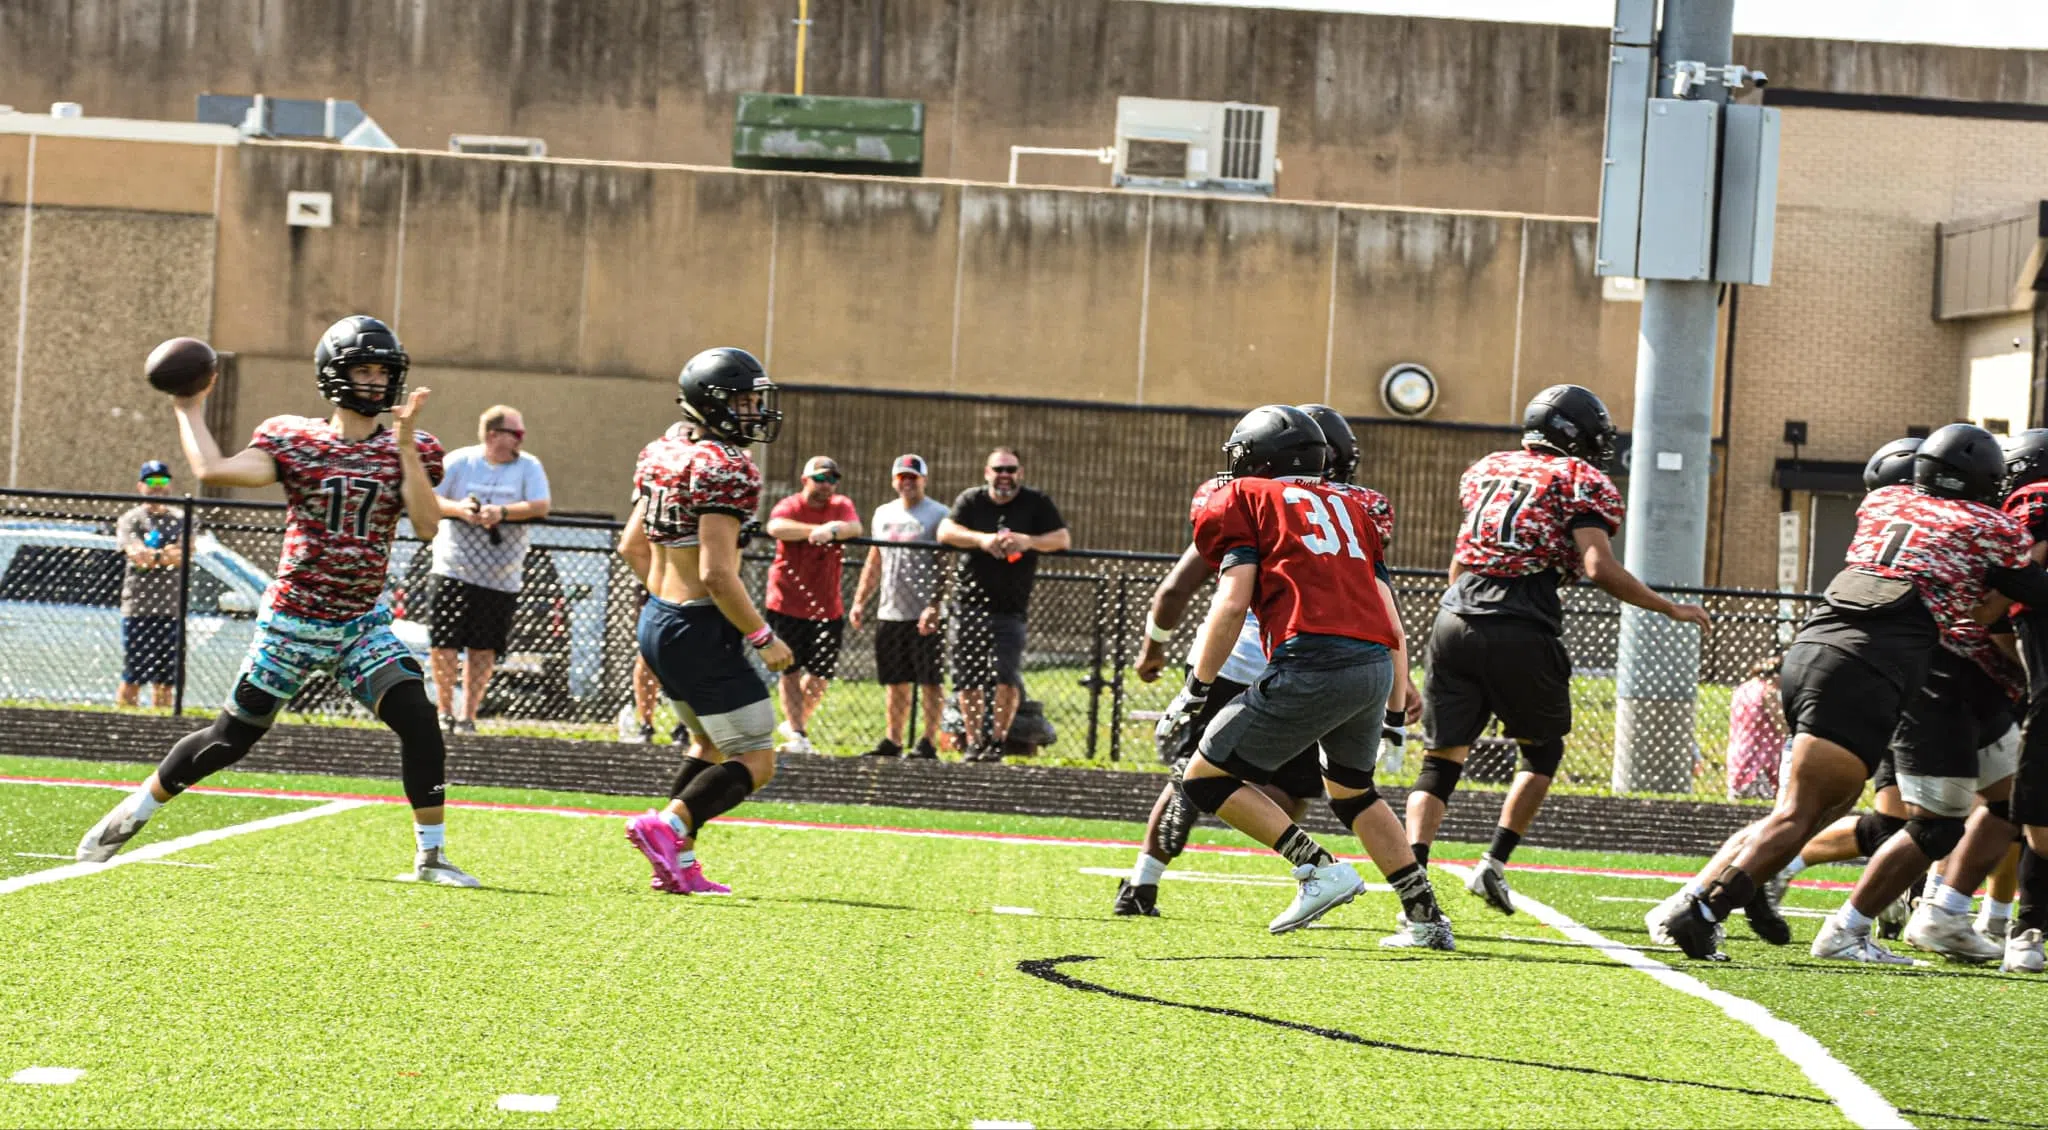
{"points": [[249, 467], [1169, 605], [633, 543], [718, 566], [1603, 569], [422, 505]]}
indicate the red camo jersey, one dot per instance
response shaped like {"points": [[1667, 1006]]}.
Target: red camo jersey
{"points": [[1520, 510], [683, 479], [342, 504], [1944, 546], [2029, 507], [1316, 545]]}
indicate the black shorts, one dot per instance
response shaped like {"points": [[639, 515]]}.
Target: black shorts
{"points": [[1958, 711], [467, 615], [149, 650], [1301, 777], [813, 643], [1485, 667], [1887, 775], [1836, 697], [988, 648], [902, 655], [2030, 788]]}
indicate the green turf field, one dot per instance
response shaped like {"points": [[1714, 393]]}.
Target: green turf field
{"points": [[280, 977]]}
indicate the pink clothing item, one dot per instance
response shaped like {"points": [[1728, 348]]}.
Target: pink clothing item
{"points": [[1756, 736], [803, 581], [657, 841]]}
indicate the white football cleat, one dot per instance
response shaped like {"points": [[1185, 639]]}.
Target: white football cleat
{"points": [[116, 828], [1489, 882], [1949, 933], [2023, 953], [1321, 889], [1837, 942], [1997, 929], [434, 866], [1413, 935]]}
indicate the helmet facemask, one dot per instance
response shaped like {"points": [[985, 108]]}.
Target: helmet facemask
{"points": [[737, 416], [337, 382]]}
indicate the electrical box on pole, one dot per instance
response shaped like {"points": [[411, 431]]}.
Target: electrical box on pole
{"points": [[1749, 195]]}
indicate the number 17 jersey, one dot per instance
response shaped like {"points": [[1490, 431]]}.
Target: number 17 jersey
{"points": [[1516, 542]]}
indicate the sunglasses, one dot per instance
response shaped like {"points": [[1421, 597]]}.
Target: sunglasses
{"points": [[824, 477], [1005, 469], [157, 481], [515, 433]]}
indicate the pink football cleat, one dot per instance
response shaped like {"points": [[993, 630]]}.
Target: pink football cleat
{"points": [[657, 841], [694, 882]]}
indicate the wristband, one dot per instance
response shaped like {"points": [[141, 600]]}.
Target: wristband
{"points": [[761, 637], [1154, 632], [1197, 687]]}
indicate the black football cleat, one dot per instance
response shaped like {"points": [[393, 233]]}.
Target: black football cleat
{"points": [[1764, 919], [1135, 900], [1693, 934]]}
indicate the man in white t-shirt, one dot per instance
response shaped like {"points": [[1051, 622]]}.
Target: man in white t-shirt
{"points": [[480, 557], [907, 619]]}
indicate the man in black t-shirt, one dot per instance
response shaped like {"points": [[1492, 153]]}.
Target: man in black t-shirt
{"points": [[1005, 526]]}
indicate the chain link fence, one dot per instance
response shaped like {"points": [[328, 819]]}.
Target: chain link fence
{"points": [[83, 609]]}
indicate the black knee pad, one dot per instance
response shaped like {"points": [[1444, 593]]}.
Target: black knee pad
{"points": [[1209, 793], [1936, 836], [1873, 829], [1349, 776], [202, 753], [1348, 808], [2001, 809], [422, 752], [1439, 777], [1542, 758]]}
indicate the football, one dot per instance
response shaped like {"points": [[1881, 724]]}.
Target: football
{"points": [[181, 366]]}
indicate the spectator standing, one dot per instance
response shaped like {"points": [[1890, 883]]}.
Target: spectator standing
{"points": [[480, 557], [907, 617], [1007, 525], [1756, 733], [804, 604], [152, 538]]}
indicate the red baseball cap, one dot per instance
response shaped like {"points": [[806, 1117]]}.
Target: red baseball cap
{"points": [[908, 465]]}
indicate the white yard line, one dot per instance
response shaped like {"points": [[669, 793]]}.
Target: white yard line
{"points": [[170, 847], [1857, 1100], [1215, 877], [529, 1104]]}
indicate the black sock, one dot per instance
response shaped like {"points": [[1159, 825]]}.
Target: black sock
{"points": [[1418, 898], [2031, 911], [718, 789], [1421, 853], [1505, 840], [1730, 890], [1298, 847], [692, 767]]}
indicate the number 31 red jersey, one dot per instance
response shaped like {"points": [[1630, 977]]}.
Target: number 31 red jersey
{"points": [[1315, 544]]}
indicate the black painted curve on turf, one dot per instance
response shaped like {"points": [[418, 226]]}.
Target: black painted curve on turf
{"points": [[1047, 969]]}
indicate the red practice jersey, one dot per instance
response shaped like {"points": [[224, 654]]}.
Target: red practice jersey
{"points": [[1316, 544], [1521, 508], [342, 504], [1378, 511], [684, 479], [1943, 546]]}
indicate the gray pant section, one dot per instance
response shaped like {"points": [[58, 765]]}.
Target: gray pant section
{"points": [[1289, 708], [750, 728]]}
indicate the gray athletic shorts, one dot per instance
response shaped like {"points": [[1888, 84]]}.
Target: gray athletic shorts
{"points": [[1342, 708]]}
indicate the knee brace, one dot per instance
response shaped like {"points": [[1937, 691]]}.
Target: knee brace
{"points": [[1439, 777], [692, 767], [1873, 829], [1348, 809], [422, 751], [1209, 793], [716, 790], [1542, 758], [1935, 836], [202, 753]]}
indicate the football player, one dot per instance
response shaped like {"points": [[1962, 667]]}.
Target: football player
{"points": [[1308, 555], [1922, 560], [1535, 518], [699, 630], [1301, 779], [346, 480]]}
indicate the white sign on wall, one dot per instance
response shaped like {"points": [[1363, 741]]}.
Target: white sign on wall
{"points": [[1788, 550]]}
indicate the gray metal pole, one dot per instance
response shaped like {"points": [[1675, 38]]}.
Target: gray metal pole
{"points": [[1666, 531]]}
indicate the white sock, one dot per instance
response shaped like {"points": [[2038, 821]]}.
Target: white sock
{"points": [[430, 836], [685, 858], [1995, 909], [1693, 887], [1952, 900], [1852, 919], [1932, 887], [1146, 872], [1797, 865], [675, 821], [146, 803]]}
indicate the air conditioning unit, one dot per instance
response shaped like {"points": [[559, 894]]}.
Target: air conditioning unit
{"points": [[1196, 146], [497, 145]]}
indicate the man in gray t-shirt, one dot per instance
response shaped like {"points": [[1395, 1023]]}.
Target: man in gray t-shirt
{"points": [[152, 539], [480, 556], [907, 620]]}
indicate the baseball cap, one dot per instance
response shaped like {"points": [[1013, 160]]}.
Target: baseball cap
{"points": [[152, 469], [820, 466], [908, 465]]}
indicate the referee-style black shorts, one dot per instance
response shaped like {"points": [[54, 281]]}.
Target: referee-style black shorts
{"points": [[902, 655], [1839, 698], [813, 644], [471, 616], [1486, 667]]}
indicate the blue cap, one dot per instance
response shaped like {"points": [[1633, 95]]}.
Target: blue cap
{"points": [[154, 467]]}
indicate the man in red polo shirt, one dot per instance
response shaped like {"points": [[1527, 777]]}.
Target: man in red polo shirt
{"points": [[804, 604]]}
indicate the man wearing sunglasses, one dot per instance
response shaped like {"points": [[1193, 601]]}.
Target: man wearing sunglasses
{"points": [[480, 557], [804, 605], [152, 538]]}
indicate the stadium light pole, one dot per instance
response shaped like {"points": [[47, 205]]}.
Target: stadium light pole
{"points": [[1671, 460]]}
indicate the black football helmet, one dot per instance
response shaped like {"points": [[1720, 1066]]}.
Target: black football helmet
{"points": [[1892, 465], [1960, 461], [1570, 420], [1276, 440], [1341, 462], [708, 385], [359, 340], [2026, 459]]}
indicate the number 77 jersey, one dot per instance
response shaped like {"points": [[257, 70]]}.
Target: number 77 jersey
{"points": [[1317, 547]]}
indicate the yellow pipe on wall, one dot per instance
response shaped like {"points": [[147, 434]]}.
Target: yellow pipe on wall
{"points": [[803, 29]]}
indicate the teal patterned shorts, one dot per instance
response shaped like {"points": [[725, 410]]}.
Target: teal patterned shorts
{"points": [[363, 654]]}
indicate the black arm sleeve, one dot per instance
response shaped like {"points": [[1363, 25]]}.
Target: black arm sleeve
{"points": [[2029, 585]]}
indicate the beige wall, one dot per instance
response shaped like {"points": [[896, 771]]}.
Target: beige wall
{"points": [[1373, 109]]}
